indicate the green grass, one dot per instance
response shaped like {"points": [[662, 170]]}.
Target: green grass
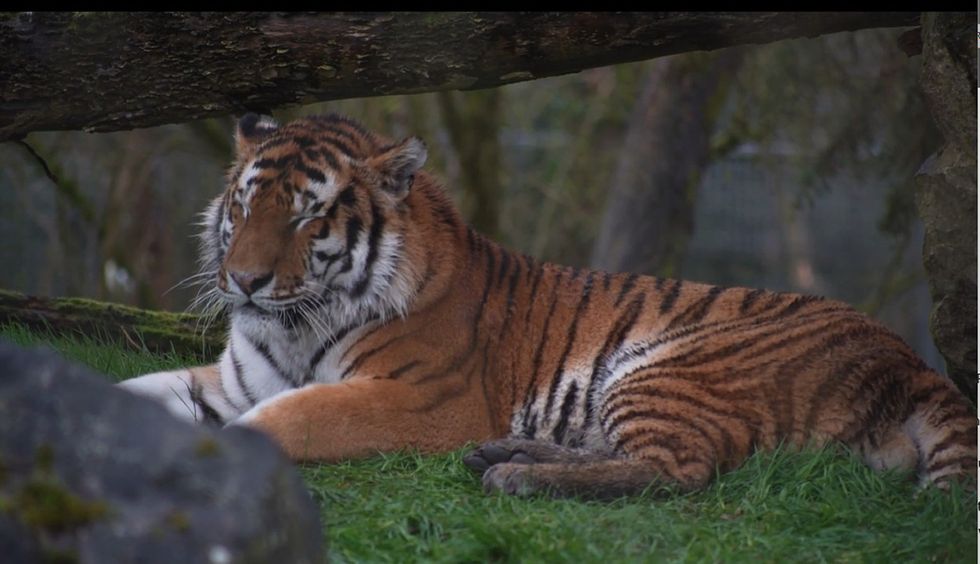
{"points": [[778, 507]]}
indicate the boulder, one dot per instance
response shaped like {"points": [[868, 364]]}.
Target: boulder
{"points": [[946, 195], [92, 473]]}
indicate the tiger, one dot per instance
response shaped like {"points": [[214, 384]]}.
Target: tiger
{"points": [[366, 317]]}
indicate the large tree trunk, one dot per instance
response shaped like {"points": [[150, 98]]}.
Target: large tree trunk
{"points": [[473, 121], [113, 71], [947, 192], [649, 210]]}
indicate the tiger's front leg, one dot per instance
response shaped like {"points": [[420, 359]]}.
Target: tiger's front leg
{"points": [[193, 394], [359, 418]]}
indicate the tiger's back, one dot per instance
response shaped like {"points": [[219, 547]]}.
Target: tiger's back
{"points": [[366, 316], [694, 376]]}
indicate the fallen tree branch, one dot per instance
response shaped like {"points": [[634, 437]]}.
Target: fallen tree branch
{"points": [[156, 331], [116, 71]]}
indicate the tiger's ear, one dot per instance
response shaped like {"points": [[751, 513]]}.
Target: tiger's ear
{"points": [[398, 164], [252, 129]]}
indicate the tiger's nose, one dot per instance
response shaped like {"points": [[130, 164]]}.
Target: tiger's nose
{"points": [[250, 282]]}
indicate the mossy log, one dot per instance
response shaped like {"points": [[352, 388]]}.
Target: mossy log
{"points": [[123, 70], [156, 331]]}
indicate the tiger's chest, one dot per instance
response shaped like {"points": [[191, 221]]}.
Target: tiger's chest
{"points": [[262, 360]]}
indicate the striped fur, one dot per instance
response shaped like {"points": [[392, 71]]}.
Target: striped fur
{"points": [[367, 317]]}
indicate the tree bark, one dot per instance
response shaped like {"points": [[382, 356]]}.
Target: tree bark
{"points": [[650, 206], [947, 192], [160, 332], [115, 71]]}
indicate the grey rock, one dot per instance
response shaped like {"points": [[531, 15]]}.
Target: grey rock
{"points": [[946, 194], [92, 473]]}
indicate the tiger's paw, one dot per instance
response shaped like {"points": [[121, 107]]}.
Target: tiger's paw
{"points": [[510, 478], [525, 451], [503, 451]]}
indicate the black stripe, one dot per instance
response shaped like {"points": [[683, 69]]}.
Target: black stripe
{"points": [[796, 304], [756, 342], [682, 423], [504, 267], [236, 176], [530, 427], [648, 392], [530, 391], [239, 377], [614, 340], [210, 414], [965, 462], [341, 132], [488, 282], [327, 157], [569, 342], [340, 146], [566, 410], [272, 142], [374, 239], [750, 299], [401, 370], [511, 289], [346, 198], [353, 231], [471, 240], [361, 358], [533, 295], [263, 350], [696, 311], [668, 301], [606, 279], [269, 162], [444, 213], [322, 351], [626, 287], [311, 173], [324, 231]]}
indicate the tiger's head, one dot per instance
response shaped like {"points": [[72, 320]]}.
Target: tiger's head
{"points": [[311, 229]]}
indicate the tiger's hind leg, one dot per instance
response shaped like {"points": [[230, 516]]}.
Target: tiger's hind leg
{"points": [[943, 427], [522, 467], [603, 479], [920, 422]]}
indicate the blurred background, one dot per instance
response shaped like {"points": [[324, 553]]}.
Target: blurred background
{"points": [[787, 166]]}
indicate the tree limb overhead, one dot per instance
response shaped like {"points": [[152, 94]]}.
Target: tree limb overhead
{"points": [[114, 71]]}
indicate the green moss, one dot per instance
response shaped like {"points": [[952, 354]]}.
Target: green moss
{"points": [[158, 331], [43, 503]]}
